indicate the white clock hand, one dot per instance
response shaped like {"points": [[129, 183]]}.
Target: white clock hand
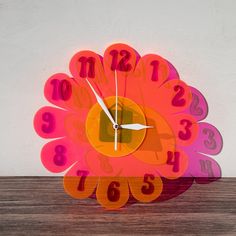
{"points": [[116, 130], [135, 126], [102, 104]]}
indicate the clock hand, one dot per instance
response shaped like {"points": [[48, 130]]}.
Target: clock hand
{"points": [[102, 104], [135, 126], [116, 132]]}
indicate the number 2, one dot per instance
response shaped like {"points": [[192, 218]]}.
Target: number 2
{"points": [[178, 101], [194, 108]]}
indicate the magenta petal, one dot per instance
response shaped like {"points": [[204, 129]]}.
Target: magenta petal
{"points": [[204, 168], [198, 107], [209, 140], [173, 73]]}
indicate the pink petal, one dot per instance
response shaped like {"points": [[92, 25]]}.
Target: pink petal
{"points": [[49, 122], [60, 154]]}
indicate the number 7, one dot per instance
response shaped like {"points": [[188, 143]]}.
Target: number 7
{"points": [[83, 174]]}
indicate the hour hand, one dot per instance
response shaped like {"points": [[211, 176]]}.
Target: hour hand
{"points": [[135, 126], [102, 104]]}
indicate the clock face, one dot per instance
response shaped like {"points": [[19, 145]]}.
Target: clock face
{"points": [[125, 125], [100, 131]]}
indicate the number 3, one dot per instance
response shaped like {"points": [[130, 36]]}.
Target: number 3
{"points": [[187, 125], [211, 142]]}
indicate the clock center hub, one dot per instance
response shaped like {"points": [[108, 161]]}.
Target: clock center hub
{"points": [[116, 126]]}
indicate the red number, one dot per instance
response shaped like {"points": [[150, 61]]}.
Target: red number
{"points": [[123, 64], [194, 108], [61, 89], [49, 118], [155, 65], [178, 101], [173, 159], [150, 188], [91, 70], [206, 167], [113, 193], [211, 142], [59, 158], [83, 174], [187, 134]]}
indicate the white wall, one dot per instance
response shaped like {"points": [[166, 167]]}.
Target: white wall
{"points": [[38, 38]]}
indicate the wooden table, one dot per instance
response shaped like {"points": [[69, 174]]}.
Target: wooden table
{"points": [[39, 206]]}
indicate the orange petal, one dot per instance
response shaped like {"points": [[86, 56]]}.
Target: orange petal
{"points": [[78, 183], [147, 188], [112, 192]]}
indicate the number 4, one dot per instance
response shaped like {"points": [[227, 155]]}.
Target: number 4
{"points": [[173, 159]]}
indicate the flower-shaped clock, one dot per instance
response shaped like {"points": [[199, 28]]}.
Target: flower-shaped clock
{"points": [[125, 126]]}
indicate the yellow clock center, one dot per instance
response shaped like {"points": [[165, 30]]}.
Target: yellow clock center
{"points": [[101, 132]]}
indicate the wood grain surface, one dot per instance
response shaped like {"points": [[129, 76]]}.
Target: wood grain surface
{"points": [[39, 206]]}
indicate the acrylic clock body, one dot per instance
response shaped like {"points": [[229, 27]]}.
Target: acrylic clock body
{"points": [[148, 135]]}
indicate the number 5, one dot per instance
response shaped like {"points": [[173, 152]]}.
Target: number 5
{"points": [[150, 188]]}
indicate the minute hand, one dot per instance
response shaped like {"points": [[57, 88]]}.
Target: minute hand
{"points": [[135, 126], [102, 104]]}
